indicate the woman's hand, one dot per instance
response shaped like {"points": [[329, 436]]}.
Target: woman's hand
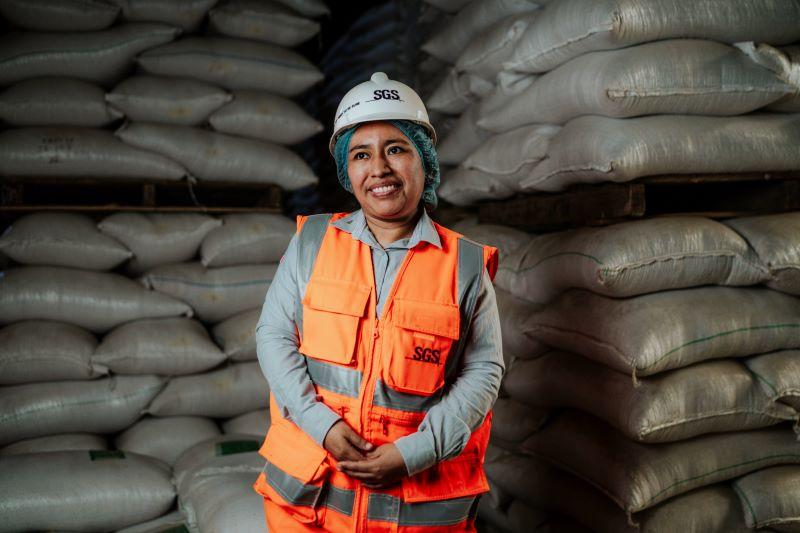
{"points": [[345, 444], [381, 468]]}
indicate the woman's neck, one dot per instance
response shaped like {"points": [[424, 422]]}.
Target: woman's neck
{"points": [[389, 231]]}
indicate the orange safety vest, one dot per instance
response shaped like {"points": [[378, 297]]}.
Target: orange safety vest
{"points": [[381, 376]]}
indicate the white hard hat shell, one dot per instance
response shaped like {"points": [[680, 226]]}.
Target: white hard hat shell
{"points": [[379, 99]]}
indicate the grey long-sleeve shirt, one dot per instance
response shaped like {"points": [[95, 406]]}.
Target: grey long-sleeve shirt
{"points": [[447, 425]]}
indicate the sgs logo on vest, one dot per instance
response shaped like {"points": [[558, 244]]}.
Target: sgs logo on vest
{"points": [[426, 355], [385, 94]]}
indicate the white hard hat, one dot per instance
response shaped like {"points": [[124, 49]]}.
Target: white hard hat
{"points": [[379, 99]]}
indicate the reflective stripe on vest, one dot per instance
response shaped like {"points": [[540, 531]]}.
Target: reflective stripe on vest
{"points": [[385, 396], [388, 508], [338, 379], [470, 276], [347, 382], [299, 494], [381, 507], [308, 243]]}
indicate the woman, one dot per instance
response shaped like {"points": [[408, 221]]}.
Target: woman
{"points": [[380, 340]]}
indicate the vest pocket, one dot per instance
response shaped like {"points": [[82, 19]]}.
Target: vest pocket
{"points": [[295, 473], [332, 310], [423, 334], [460, 476]]}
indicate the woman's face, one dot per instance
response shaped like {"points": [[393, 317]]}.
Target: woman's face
{"points": [[386, 171]]}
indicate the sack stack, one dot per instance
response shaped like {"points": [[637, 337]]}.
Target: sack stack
{"points": [[134, 337], [146, 361], [615, 90], [666, 400], [157, 90], [465, 53]]}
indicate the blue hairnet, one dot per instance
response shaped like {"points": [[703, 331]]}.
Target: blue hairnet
{"points": [[421, 141]]}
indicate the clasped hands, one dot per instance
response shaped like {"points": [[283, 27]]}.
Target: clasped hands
{"points": [[374, 467]]}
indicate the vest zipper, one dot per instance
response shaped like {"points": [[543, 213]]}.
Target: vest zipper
{"points": [[360, 510], [365, 403]]}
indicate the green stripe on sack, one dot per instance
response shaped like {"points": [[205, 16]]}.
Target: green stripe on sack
{"points": [[233, 447], [211, 54], [749, 506], [84, 51], [560, 254], [46, 407], [720, 334], [765, 381], [210, 285], [790, 458]]}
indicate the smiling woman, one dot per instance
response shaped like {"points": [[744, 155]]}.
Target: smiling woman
{"points": [[393, 159], [380, 339], [385, 172]]}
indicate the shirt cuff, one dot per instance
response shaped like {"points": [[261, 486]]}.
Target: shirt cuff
{"points": [[317, 421], [418, 451]]}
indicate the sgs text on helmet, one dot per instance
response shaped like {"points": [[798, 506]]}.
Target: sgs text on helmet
{"points": [[385, 94]]}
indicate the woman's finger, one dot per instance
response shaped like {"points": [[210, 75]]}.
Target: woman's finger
{"points": [[369, 477], [348, 453], [361, 469], [356, 440], [357, 466]]}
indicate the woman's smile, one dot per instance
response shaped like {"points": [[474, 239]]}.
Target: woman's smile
{"points": [[385, 191]]}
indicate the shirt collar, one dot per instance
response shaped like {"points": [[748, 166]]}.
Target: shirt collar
{"points": [[356, 225]]}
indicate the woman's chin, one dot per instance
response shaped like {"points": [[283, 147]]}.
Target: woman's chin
{"points": [[389, 210]]}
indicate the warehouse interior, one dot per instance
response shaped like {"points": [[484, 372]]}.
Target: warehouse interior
{"points": [[635, 162]]}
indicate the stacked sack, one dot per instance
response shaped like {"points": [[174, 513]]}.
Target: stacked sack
{"points": [[512, 421], [665, 400], [770, 496], [130, 374], [620, 89], [55, 68], [213, 107], [465, 52]]}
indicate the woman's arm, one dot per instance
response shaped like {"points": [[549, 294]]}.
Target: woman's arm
{"points": [[282, 365]]}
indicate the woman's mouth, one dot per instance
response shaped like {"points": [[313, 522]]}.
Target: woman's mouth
{"points": [[385, 190]]}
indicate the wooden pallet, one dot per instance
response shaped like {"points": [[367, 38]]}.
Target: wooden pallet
{"points": [[710, 195], [99, 195]]}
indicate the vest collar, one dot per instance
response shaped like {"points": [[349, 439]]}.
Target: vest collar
{"points": [[356, 225]]}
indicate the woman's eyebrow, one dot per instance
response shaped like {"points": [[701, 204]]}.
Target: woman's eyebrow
{"points": [[358, 147], [388, 141]]}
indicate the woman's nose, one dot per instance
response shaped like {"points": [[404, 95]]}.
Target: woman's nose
{"points": [[379, 165]]}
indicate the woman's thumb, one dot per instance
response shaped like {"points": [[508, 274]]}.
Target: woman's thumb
{"points": [[356, 440]]}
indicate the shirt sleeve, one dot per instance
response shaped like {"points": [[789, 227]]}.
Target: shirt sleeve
{"points": [[282, 365], [447, 426]]}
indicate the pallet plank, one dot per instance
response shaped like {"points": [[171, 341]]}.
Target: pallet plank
{"points": [[710, 195], [88, 194], [583, 206]]}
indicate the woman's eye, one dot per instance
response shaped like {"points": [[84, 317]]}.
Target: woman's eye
{"points": [[394, 150], [360, 155]]}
